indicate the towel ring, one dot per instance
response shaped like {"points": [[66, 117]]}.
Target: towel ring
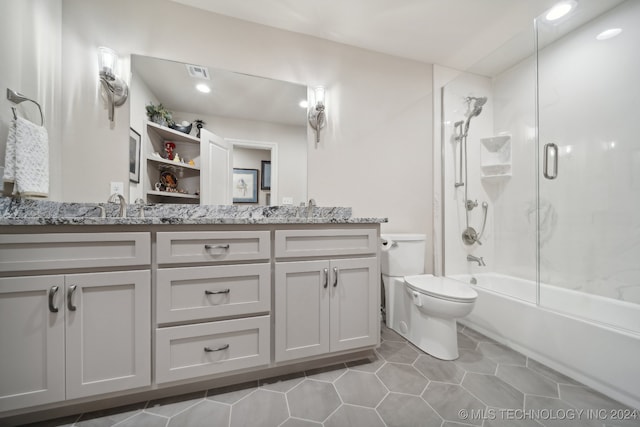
{"points": [[17, 98]]}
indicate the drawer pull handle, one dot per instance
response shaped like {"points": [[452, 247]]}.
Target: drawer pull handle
{"points": [[225, 247], [52, 293], [223, 291], [70, 293], [326, 277], [335, 277], [210, 350]]}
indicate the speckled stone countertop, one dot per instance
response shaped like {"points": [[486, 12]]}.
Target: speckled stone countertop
{"points": [[44, 212]]}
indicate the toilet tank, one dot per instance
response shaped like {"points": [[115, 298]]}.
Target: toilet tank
{"points": [[403, 254]]}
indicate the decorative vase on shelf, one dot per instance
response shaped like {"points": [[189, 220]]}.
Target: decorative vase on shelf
{"points": [[199, 123], [159, 114], [158, 119]]}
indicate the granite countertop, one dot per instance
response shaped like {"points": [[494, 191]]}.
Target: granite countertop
{"points": [[44, 212]]}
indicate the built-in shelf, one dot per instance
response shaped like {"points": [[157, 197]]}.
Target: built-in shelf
{"points": [[172, 194], [495, 157], [187, 178], [170, 163], [171, 134]]}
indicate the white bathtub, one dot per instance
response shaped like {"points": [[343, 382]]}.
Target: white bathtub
{"points": [[602, 356]]}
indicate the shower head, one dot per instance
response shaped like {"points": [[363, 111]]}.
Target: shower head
{"points": [[478, 103], [474, 109]]}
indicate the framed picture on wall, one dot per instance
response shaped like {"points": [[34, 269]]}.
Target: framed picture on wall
{"points": [[134, 156], [265, 182], [245, 185]]}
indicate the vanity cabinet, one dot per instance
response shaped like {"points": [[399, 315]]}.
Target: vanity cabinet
{"points": [[132, 310], [213, 317], [325, 305], [73, 335]]}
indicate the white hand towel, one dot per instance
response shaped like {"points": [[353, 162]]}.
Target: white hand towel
{"points": [[32, 159], [10, 155]]}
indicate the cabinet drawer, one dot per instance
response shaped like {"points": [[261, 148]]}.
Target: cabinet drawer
{"points": [[307, 243], [28, 252], [190, 351], [194, 293], [213, 246]]}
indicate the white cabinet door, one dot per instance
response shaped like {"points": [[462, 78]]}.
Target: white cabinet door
{"points": [[216, 165], [325, 306], [301, 309], [108, 343], [354, 302], [31, 341]]}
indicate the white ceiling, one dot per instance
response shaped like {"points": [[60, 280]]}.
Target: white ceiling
{"points": [[453, 33], [480, 36]]}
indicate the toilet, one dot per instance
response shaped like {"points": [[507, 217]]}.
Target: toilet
{"points": [[421, 307]]}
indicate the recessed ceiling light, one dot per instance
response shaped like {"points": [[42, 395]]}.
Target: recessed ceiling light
{"points": [[609, 34], [303, 104], [559, 10], [203, 88]]}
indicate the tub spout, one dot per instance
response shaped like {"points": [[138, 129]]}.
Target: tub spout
{"points": [[479, 260]]}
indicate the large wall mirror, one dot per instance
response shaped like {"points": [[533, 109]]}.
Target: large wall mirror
{"points": [[261, 119]]}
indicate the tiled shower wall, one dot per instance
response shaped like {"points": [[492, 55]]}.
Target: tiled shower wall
{"points": [[590, 230]]}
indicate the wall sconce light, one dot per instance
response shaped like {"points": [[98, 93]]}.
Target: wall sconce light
{"points": [[317, 113], [114, 87]]}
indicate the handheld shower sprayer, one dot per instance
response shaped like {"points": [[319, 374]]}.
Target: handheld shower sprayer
{"points": [[474, 111], [461, 130]]}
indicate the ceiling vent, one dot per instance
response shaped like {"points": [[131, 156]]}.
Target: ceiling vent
{"points": [[198, 71]]}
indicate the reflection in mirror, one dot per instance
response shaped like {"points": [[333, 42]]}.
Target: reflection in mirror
{"points": [[248, 121]]}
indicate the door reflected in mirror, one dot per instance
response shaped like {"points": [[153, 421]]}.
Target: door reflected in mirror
{"points": [[220, 120]]}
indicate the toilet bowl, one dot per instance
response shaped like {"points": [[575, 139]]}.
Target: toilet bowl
{"points": [[435, 304], [421, 307]]}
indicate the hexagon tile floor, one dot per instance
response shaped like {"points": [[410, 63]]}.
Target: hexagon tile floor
{"points": [[489, 385]]}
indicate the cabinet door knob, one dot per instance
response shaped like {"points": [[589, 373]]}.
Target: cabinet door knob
{"points": [[326, 277], [70, 293], [52, 293], [335, 277], [223, 291], [210, 350], [225, 247]]}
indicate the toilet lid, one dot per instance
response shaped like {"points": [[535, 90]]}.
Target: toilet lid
{"points": [[441, 287]]}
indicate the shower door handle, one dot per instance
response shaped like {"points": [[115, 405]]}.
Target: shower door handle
{"points": [[550, 155]]}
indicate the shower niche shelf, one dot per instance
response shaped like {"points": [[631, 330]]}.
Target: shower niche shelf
{"points": [[495, 157]]}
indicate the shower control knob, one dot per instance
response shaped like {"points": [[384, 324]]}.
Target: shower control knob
{"points": [[471, 204], [470, 236]]}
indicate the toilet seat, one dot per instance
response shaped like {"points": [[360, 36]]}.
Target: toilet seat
{"points": [[441, 287]]}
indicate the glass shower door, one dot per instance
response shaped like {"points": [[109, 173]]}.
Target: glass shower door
{"points": [[589, 164]]}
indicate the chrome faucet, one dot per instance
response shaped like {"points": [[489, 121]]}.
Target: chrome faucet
{"points": [[140, 203], [117, 197], [479, 260], [312, 204]]}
